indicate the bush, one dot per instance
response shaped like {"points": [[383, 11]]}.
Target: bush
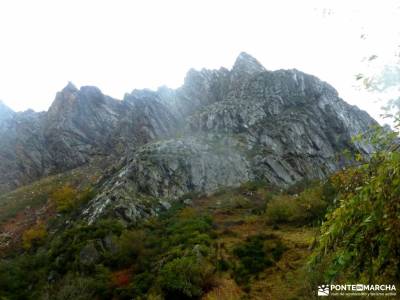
{"points": [[306, 208], [300, 186], [75, 287], [252, 186], [175, 250], [312, 204], [121, 278], [141, 284], [222, 265], [65, 249], [255, 254], [281, 209], [67, 198], [360, 240], [34, 236], [185, 276], [189, 231], [64, 198], [129, 247], [20, 274], [239, 201]]}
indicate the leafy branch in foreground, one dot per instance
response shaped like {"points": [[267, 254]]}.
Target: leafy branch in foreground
{"points": [[360, 241]]}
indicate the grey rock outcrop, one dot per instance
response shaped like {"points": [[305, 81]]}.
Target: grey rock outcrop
{"points": [[23, 157], [219, 129], [163, 171], [244, 124], [5, 112], [81, 124]]}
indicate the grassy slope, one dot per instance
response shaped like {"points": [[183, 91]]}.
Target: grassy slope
{"points": [[36, 194], [233, 213], [25, 206], [236, 213]]}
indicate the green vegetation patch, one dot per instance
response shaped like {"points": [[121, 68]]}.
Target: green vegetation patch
{"points": [[168, 257], [255, 254], [306, 208], [360, 240]]}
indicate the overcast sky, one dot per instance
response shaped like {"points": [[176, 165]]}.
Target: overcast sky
{"points": [[121, 45]]}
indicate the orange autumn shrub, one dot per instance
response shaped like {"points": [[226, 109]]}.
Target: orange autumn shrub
{"points": [[121, 278]]}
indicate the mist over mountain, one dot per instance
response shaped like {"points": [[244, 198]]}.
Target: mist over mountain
{"points": [[243, 183], [221, 128], [5, 112]]}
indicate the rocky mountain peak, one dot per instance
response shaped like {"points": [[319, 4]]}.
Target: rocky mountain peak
{"points": [[234, 126], [70, 85], [91, 92], [140, 94], [221, 128], [78, 102], [245, 63], [5, 111], [69, 88], [64, 99]]}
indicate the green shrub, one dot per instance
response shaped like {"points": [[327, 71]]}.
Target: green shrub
{"points": [[65, 249], [222, 265], [34, 236], [185, 276], [312, 204], [142, 283], [239, 201], [360, 240], [75, 287], [281, 209], [301, 185], [189, 231], [64, 198], [22, 276], [252, 186], [128, 247], [255, 254], [67, 198], [306, 208], [175, 249]]}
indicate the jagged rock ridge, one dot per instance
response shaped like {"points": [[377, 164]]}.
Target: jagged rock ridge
{"points": [[5, 112], [221, 128], [244, 124], [81, 125]]}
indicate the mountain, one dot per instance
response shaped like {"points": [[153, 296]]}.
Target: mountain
{"points": [[220, 128], [5, 112], [237, 125], [79, 126]]}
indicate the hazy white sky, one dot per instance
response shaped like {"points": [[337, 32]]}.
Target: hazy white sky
{"points": [[121, 45]]}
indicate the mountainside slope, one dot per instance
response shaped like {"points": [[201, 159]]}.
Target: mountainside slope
{"points": [[238, 125], [221, 128], [81, 125], [202, 192]]}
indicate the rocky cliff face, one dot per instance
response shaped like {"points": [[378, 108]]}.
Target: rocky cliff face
{"points": [[23, 156], [238, 125], [79, 126], [5, 112], [221, 128]]}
